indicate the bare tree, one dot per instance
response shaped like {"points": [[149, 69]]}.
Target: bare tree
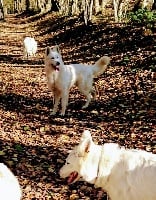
{"points": [[27, 5], [143, 4], [85, 9], [116, 5], [87, 6], [147, 4], [75, 9], [1, 10], [120, 9], [103, 5], [38, 5], [90, 10], [64, 7], [97, 6], [154, 5]]}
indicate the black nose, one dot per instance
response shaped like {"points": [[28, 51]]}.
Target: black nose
{"points": [[57, 63]]}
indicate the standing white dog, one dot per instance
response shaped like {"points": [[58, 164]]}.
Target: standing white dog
{"points": [[62, 77], [124, 174], [30, 47], [9, 185]]}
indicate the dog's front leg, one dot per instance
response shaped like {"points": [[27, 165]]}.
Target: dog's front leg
{"points": [[56, 103], [65, 97]]}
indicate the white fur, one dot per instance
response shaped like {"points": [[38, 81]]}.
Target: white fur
{"points": [[9, 185], [125, 174], [30, 46], [62, 77]]}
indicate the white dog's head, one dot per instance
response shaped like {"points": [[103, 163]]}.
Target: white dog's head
{"points": [[53, 57], [82, 162]]}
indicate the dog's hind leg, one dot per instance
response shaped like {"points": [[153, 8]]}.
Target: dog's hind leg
{"points": [[95, 91], [86, 88], [88, 97]]}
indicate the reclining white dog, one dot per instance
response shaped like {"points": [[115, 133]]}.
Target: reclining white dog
{"points": [[123, 174], [30, 47], [9, 185]]}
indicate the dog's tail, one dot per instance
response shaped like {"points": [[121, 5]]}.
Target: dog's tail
{"points": [[100, 66]]}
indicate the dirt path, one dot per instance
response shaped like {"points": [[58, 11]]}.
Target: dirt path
{"points": [[11, 37], [33, 143]]}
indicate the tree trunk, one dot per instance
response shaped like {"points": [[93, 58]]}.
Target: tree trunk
{"points": [[39, 5], [27, 5], [147, 4], [75, 10], [120, 9], [90, 10], [86, 12], [1, 10], [97, 6], [115, 5], [64, 7], [154, 5], [103, 5]]}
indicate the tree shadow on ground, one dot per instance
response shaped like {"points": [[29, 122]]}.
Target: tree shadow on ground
{"points": [[40, 164], [18, 59], [129, 107], [36, 142], [87, 42]]}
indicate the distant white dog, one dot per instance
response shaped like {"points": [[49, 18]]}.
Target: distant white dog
{"points": [[30, 47], [9, 185], [124, 174], [62, 77]]}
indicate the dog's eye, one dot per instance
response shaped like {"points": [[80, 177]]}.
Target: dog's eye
{"points": [[52, 58]]}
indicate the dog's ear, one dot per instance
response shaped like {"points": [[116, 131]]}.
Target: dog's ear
{"points": [[56, 48], [86, 139], [47, 51], [87, 146], [85, 135]]}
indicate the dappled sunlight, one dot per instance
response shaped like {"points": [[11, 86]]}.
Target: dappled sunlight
{"points": [[34, 143]]}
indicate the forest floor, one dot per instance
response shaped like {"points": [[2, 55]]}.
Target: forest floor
{"points": [[34, 144]]}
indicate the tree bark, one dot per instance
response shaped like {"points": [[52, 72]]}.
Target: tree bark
{"points": [[27, 5], [97, 6], [115, 5], [103, 5], [154, 5], [90, 10], [120, 9], [75, 10], [1, 10]]}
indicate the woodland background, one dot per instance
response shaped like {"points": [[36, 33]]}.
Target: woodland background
{"points": [[87, 8], [34, 144]]}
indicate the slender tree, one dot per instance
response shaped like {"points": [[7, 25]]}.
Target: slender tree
{"points": [[1, 10]]}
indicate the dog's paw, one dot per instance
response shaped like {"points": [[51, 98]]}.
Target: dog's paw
{"points": [[53, 113], [62, 114], [85, 106]]}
